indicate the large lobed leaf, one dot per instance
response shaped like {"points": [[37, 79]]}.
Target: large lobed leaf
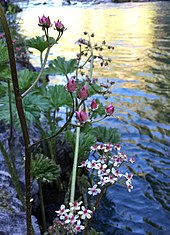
{"points": [[44, 169], [61, 67], [57, 96], [86, 141], [5, 73], [39, 43], [105, 135], [26, 78], [33, 106]]}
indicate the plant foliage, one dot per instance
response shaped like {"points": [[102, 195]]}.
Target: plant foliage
{"points": [[44, 169], [26, 78], [105, 135], [39, 43], [61, 66]]}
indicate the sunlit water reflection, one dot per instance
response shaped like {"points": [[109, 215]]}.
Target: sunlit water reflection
{"points": [[140, 33]]}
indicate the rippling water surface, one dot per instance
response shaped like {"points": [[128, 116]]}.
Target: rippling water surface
{"points": [[140, 67]]}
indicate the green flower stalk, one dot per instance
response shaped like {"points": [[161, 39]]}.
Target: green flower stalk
{"points": [[74, 173], [82, 118]]}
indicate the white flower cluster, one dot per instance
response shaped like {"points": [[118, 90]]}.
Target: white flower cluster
{"points": [[71, 219], [105, 168]]}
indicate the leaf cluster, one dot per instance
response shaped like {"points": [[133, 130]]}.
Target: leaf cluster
{"points": [[61, 66], [39, 43], [44, 169]]}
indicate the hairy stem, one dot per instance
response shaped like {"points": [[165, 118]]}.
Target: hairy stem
{"points": [[22, 118]]}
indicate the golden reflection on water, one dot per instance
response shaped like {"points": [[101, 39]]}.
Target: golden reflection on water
{"points": [[127, 27]]}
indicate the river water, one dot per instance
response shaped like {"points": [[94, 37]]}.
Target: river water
{"points": [[140, 33]]}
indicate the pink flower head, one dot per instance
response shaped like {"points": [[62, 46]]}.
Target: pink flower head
{"points": [[132, 160], [84, 163], [117, 147], [129, 186], [18, 48], [94, 147], [94, 190], [1, 35], [71, 85], [62, 210], [83, 93], [44, 22], [109, 109], [94, 104], [92, 164], [75, 205], [85, 213], [128, 176], [82, 116], [78, 227], [59, 26], [108, 147]]}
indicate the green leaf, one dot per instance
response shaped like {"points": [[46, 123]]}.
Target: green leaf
{"points": [[100, 111], [3, 88], [94, 232], [105, 135], [5, 73], [3, 53], [26, 78], [4, 109], [86, 141], [44, 169], [57, 96], [39, 43], [61, 67], [33, 106], [94, 89]]}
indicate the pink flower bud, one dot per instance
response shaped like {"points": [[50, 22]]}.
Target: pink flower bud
{"points": [[71, 85], [44, 22], [110, 109], [59, 26], [82, 116], [83, 93], [94, 104]]}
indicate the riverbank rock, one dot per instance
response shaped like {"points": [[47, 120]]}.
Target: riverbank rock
{"points": [[12, 216]]}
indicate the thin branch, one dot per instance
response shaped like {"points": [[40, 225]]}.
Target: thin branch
{"points": [[10, 112], [55, 134], [40, 73], [95, 208]]}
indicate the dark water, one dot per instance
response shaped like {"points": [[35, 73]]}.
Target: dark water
{"points": [[140, 67], [144, 113]]}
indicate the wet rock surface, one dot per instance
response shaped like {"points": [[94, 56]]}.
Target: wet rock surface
{"points": [[12, 216]]}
